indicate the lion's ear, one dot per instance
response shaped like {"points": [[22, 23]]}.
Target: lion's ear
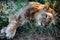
{"points": [[47, 5]]}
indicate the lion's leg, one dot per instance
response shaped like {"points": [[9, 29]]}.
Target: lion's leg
{"points": [[10, 30], [14, 22]]}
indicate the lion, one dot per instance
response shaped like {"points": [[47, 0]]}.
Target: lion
{"points": [[39, 14]]}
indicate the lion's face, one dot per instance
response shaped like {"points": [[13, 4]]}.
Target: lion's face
{"points": [[43, 18], [43, 13]]}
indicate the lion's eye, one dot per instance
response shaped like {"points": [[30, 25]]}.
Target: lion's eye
{"points": [[46, 16]]}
